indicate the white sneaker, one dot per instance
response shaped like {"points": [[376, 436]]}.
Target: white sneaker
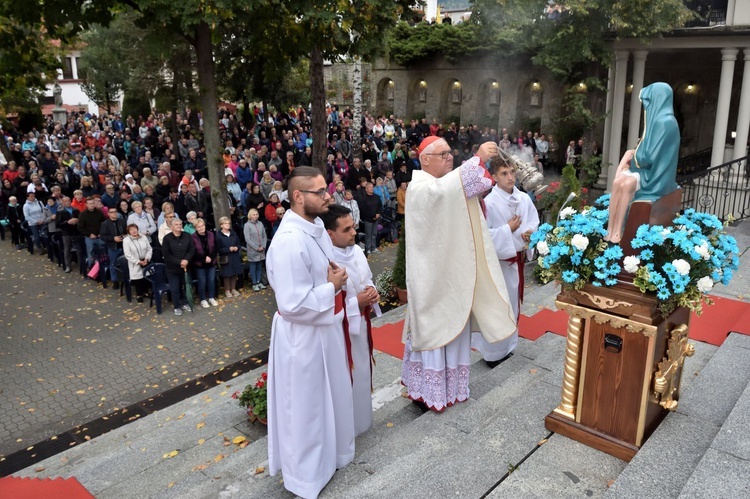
{"points": [[256, 287], [178, 311], [261, 286], [213, 302], [235, 292], [228, 294], [205, 304], [187, 308]]}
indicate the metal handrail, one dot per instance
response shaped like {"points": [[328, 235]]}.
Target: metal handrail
{"points": [[722, 190]]}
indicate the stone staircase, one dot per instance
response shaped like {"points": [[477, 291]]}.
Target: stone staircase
{"points": [[494, 445]]}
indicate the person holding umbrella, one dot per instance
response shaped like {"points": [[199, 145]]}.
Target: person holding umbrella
{"points": [[177, 249]]}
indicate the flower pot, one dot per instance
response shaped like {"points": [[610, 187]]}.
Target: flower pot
{"points": [[253, 418], [402, 296]]}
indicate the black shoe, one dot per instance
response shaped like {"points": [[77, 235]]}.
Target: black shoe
{"points": [[139, 299], [494, 363], [421, 406], [115, 285]]}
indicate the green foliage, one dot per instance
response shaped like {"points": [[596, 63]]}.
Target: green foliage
{"points": [[591, 167], [399, 268], [135, 104], [384, 284], [553, 198], [409, 44], [254, 397]]}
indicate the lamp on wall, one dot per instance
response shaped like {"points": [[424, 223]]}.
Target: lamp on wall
{"points": [[690, 88], [536, 85]]}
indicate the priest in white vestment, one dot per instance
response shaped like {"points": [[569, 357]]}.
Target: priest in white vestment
{"points": [[310, 412], [453, 277], [361, 300], [511, 218]]}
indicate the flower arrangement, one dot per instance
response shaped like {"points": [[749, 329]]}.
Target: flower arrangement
{"points": [[384, 284], [683, 262], [253, 397], [680, 263], [574, 251]]}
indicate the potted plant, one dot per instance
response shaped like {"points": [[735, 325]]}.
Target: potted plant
{"points": [[399, 268], [253, 397]]}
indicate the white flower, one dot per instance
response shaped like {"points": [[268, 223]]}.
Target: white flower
{"points": [[682, 267], [665, 232], [705, 284], [631, 264], [579, 241], [703, 251], [566, 212], [542, 247]]}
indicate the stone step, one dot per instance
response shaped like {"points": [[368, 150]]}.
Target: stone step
{"points": [[724, 468], [664, 463], [550, 471]]}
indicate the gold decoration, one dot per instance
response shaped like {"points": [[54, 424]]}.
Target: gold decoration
{"points": [[606, 303], [572, 369], [667, 378], [605, 318]]}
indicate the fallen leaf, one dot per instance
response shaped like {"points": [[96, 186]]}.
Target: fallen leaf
{"points": [[244, 444], [259, 470], [218, 458], [39, 469], [171, 484], [201, 441], [542, 441], [532, 371], [389, 425], [169, 455], [200, 467], [200, 425], [238, 440]]}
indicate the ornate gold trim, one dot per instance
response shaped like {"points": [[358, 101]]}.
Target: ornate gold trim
{"points": [[572, 369], [667, 378], [604, 318], [606, 303]]}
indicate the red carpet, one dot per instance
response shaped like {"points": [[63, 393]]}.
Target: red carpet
{"points": [[713, 325], [719, 319], [12, 487]]}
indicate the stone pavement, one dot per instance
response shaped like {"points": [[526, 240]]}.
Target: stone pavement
{"points": [[71, 352]]}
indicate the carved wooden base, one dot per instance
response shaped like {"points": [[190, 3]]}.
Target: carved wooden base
{"points": [[590, 437]]}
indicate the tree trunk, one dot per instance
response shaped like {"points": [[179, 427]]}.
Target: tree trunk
{"points": [[174, 133], [357, 115], [318, 98], [247, 116], [209, 103]]}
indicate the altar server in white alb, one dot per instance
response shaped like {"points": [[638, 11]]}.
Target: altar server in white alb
{"points": [[511, 218], [453, 277], [361, 300], [310, 413]]}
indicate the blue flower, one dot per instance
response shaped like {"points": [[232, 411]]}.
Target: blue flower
{"points": [[597, 284], [600, 262], [662, 294], [679, 288], [610, 282], [603, 200], [569, 276], [613, 253], [647, 254]]}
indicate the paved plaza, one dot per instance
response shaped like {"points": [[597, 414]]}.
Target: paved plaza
{"points": [[72, 352]]}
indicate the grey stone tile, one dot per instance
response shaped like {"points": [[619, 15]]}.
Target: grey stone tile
{"points": [[694, 365], [718, 475], [733, 435], [666, 460], [713, 394], [551, 472], [738, 340]]}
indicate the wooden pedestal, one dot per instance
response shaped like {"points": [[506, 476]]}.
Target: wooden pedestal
{"points": [[623, 364], [659, 212]]}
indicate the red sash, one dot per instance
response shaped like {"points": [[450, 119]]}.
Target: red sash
{"points": [[519, 260], [339, 306], [366, 314]]}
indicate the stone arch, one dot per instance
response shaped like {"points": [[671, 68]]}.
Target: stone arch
{"points": [[416, 98], [450, 101], [529, 104], [689, 112], [386, 91], [488, 103]]}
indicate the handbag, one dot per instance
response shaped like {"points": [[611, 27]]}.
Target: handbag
{"points": [[94, 272]]}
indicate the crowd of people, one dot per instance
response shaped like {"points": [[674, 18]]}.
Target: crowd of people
{"points": [[77, 189]]}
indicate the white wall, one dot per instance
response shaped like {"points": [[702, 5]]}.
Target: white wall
{"points": [[741, 13]]}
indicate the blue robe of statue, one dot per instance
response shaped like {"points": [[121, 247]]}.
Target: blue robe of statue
{"points": [[657, 154]]}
